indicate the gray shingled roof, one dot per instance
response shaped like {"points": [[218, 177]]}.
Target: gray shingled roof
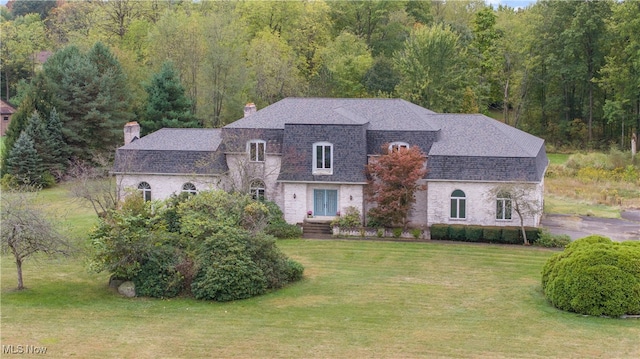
{"points": [[179, 139], [381, 114], [173, 151], [481, 136]]}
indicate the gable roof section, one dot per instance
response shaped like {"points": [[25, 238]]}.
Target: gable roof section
{"points": [[173, 151]]}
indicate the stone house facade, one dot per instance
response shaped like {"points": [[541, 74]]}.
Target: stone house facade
{"points": [[309, 155]]}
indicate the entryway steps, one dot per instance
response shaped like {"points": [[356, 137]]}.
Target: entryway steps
{"points": [[315, 229]]}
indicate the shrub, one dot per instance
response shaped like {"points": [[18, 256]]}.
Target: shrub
{"points": [[473, 233], [227, 272], [548, 240], [158, 276], [295, 271], [492, 234], [532, 234], [457, 232], [511, 235], [397, 232], [350, 219], [416, 233], [283, 230], [439, 231], [595, 276]]}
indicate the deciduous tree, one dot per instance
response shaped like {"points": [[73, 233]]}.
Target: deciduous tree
{"points": [[26, 230], [394, 179]]}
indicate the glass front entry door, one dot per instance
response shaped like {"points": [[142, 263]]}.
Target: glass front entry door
{"points": [[325, 202]]}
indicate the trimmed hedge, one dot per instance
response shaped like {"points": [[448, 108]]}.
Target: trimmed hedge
{"points": [[484, 234], [595, 276]]}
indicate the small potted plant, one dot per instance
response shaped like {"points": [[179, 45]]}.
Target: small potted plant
{"points": [[309, 214]]}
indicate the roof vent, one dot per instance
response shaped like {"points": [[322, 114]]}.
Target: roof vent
{"points": [[250, 109]]}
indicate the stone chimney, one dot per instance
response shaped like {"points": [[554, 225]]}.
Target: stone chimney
{"points": [[250, 109], [131, 132]]}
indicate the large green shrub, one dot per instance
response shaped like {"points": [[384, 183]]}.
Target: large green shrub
{"points": [[211, 245], [159, 275], [595, 276], [226, 271]]}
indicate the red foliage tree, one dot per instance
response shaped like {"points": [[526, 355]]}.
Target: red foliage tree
{"points": [[392, 183]]}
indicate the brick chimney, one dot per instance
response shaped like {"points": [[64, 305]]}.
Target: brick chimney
{"points": [[131, 132], [250, 109]]}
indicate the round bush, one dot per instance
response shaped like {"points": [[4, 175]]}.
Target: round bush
{"points": [[595, 276]]}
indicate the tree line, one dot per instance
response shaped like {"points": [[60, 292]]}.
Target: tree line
{"points": [[568, 71]]}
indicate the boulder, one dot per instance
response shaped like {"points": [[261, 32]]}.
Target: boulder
{"points": [[128, 289]]}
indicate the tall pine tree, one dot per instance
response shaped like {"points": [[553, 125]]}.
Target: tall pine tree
{"points": [[167, 105]]}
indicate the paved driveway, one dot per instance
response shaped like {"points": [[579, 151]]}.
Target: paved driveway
{"points": [[625, 228]]}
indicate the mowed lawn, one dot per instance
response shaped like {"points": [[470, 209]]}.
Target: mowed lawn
{"points": [[359, 299]]}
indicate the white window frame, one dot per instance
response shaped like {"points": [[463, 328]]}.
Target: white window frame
{"points": [[457, 201], [257, 188], [504, 207], [189, 188], [323, 169], [145, 190], [395, 146], [257, 150]]}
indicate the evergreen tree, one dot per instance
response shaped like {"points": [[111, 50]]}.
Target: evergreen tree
{"points": [[167, 105], [55, 143], [93, 99], [39, 96], [24, 163]]}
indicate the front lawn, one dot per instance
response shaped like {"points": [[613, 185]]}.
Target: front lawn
{"points": [[359, 299]]}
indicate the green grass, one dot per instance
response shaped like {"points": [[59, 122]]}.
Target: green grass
{"points": [[359, 299], [558, 158]]}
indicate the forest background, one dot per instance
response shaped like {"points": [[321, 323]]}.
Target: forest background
{"points": [[567, 71]]}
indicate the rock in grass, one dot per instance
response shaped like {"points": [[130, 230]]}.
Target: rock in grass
{"points": [[128, 289]]}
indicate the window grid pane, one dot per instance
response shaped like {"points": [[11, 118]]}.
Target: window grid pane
{"points": [[327, 157]]}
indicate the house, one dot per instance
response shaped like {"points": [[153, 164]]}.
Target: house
{"points": [[309, 154], [6, 111]]}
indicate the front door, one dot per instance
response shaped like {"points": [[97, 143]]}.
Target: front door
{"points": [[325, 202]]}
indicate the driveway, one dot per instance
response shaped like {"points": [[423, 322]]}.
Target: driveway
{"points": [[625, 228]]}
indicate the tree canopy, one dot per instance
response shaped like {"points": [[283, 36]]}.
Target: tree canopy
{"points": [[564, 70]]}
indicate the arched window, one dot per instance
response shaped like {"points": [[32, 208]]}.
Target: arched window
{"points": [[145, 189], [189, 188], [323, 158], [395, 146], [257, 189], [256, 149], [503, 206], [458, 205]]}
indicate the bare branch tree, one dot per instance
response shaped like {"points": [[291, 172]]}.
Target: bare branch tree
{"points": [[94, 184], [522, 200], [26, 230]]}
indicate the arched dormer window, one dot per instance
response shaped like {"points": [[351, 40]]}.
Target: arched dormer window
{"points": [[458, 205], [257, 189], [145, 190], [396, 146], [503, 206], [323, 158], [189, 188], [256, 150]]}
